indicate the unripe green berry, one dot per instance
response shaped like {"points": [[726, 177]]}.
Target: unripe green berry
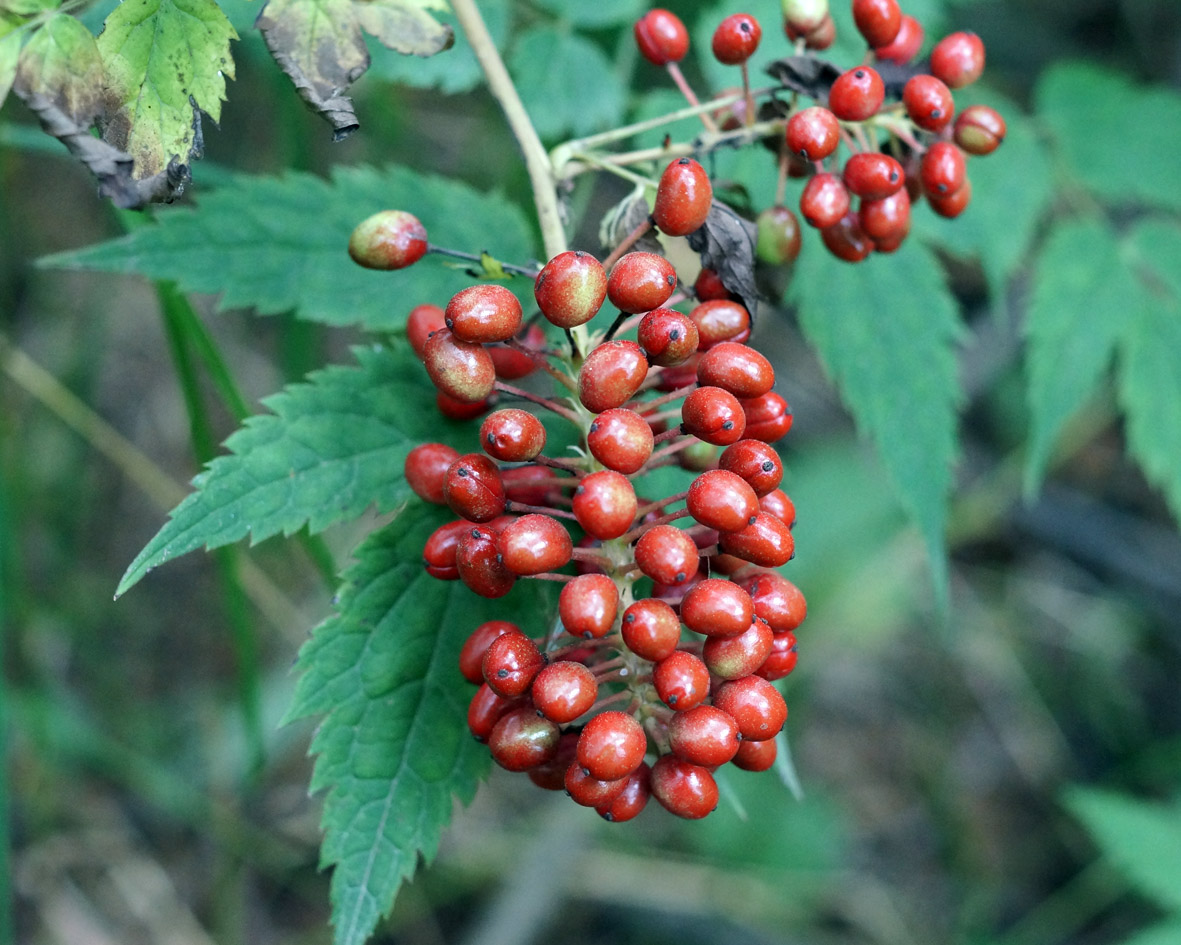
{"points": [[391, 239]]}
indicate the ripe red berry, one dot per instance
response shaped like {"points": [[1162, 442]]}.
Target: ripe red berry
{"points": [[631, 800], [782, 659], [878, 21], [756, 462], [477, 559], [529, 485], [979, 129], [473, 488], [587, 605], [682, 788], [510, 663], [778, 504], [620, 439], [813, 133], [928, 102], [438, 553], [681, 680], [716, 607], [873, 175], [459, 369], [512, 363], [563, 691], [722, 500], [755, 756], [737, 368], [683, 198], [887, 218], [425, 470], [522, 739], [422, 320], [611, 374], [512, 435], [846, 240], [391, 239], [857, 94], [611, 746], [485, 710], [570, 289], [535, 544], [739, 655], [661, 37], [551, 775], [484, 313], [667, 555], [955, 204], [720, 320], [713, 415], [958, 59], [736, 39], [471, 656], [779, 239], [766, 542], [640, 282], [605, 504], [461, 409], [709, 285], [667, 337], [768, 417], [943, 170], [906, 44], [704, 736], [589, 791], [755, 705], [650, 629], [824, 201]]}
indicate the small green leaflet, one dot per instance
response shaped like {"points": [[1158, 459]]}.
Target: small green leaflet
{"points": [[332, 448], [886, 331], [1140, 837], [393, 747], [166, 62], [1095, 116], [280, 243]]}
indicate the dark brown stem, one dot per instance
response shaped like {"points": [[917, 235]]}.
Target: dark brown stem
{"points": [[537, 399], [511, 506], [628, 242]]}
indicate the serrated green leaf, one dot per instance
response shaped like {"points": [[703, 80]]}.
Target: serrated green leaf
{"points": [[1150, 359], [886, 331], [1082, 293], [583, 95], [331, 448], [405, 26], [1094, 116], [1142, 838], [166, 61], [595, 15], [393, 749], [279, 244], [61, 61]]}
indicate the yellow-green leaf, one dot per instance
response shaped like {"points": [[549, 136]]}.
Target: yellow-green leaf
{"points": [[166, 62], [61, 61], [405, 26]]}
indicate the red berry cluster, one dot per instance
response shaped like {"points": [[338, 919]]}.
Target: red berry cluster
{"points": [[659, 663]]}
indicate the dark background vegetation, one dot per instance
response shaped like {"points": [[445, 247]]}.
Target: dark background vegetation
{"points": [[934, 756]]}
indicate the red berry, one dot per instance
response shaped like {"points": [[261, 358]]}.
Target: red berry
{"points": [[704, 736], [755, 705], [885, 219], [813, 133], [873, 175], [824, 201], [766, 542], [943, 170], [650, 629], [958, 59], [620, 439], [878, 21], [906, 44], [471, 656], [667, 337], [713, 415], [681, 680], [512, 363], [477, 559], [782, 658], [720, 320], [563, 691], [857, 94], [777, 601], [459, 369], [587, 605], [422, 320], [510, 663], [611, 374], [928, 102], [740, 655], [611, 746], [589, 791], [667, 555], [979, 129], [640, 282], [779, 240], [461, 409], [737, 368], [605, 504], [709, 285], [682, 788], [425, 470], [716, 607], [778, 504], [485, 710], [551, 775], [683, 198], [631, 800], [846, 240], [391, 239], [661, 37], [722, 500], [768, 417], [736, 39], [529, 485], [955, 204], [512, 435], [438, 554], [473, 488], [535, 544], [521, 739], [570, 289], [756, 462], [484, 313], [755, 756]]}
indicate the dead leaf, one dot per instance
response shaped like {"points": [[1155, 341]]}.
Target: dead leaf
{"points": [[726, 243]]}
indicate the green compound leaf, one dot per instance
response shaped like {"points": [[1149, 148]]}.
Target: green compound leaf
{"points": [[886, 330], [1094, 115], [393, 748], [61, 62], [1150, 358], [1082, 295], [332, 448], [166, 62], [1140, 837], [280, 244], [582, 95]]}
